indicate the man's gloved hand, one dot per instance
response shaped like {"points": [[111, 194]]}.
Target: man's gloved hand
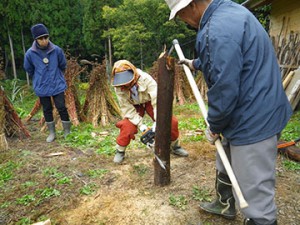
{"points": [[187, 62], [211, 137]]}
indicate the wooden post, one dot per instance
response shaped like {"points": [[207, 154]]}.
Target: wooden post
{"points": [[165, 81]]}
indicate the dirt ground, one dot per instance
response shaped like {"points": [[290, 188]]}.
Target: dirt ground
{"points": [[126, 193]]}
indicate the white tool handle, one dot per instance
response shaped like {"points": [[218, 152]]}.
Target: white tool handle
{"points": [[218, 144]]}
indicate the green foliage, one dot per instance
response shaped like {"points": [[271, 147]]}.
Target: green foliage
{"points": [[262, 14], [142, 40], [291, 165], [20, 95], [29, 184], [94, 25], [6, 171], [48, 193], [98, 173], [140, 169], [88, 189], [52, 172], [25, 200], [86, 136], [178, 201], [24, 221], [65, 180], [292, 129], [4, 205], [201, 194]]}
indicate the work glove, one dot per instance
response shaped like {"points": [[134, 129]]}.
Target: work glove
{"points": [[143, 127], [187, 62], [210, 136], [153, 127]]}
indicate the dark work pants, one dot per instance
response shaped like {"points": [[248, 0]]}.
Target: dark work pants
{"points": [[59, 101]]}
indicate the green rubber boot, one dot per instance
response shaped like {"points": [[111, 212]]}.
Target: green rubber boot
{"points": [[224, 204]]}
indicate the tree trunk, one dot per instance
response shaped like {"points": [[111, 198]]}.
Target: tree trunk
{"points": [[24, 51], [12, 56]]}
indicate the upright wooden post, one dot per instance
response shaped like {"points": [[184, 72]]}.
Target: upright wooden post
{"points": [[165, 81]]}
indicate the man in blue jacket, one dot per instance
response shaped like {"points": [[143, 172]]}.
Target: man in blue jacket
{"points": [[246, 102], [46, 63]]}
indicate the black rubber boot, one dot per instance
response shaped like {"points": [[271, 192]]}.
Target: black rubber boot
{"points": [[224, 204], [251, 222], [51, 128]]}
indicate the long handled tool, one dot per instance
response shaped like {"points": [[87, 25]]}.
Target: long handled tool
{"points": [[218, 144]]}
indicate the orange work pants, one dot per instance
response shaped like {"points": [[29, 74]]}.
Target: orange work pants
{"points": [[128, 129]]}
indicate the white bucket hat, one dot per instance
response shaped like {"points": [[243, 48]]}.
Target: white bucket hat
{"points": [[176, 5]]}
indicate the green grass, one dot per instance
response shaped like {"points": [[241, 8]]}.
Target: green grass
{"points": [[291, 165], [7, 171], [292, 129], [97, 173]]}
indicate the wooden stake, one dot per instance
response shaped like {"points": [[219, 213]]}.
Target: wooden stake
{"points": [[165, 81]]}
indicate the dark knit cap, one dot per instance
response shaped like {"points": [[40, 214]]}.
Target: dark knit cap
{"points": [[39, 30]]}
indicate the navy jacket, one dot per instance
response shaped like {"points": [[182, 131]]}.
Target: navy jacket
{"points": [[47, 78], [246, 100]]}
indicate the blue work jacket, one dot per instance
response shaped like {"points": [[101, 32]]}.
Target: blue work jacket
{"points": [[246, 100], [46, 67]]}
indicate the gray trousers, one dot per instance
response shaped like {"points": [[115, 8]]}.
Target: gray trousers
{"points": [[254, 168]]}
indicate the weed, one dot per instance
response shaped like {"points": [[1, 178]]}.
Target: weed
{"points": [[6, 171], [140, 169], [291, 165], [178, 201], [4, 205], [65, 180], [97, 173], [52, 172], [48, 193], [29, 184], [87, 189], [24, 221], [292, 129], [25, 200], [201, 194]]}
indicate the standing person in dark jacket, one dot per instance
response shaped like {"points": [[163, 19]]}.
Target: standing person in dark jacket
{"points": [[45, 62], [246, 102]]}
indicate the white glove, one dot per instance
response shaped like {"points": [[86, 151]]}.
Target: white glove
{"points": [[210, 136], [154, 126], [187, 62], [143, 127]]}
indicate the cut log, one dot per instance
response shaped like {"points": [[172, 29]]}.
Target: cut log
{"points": [[292, 152]]}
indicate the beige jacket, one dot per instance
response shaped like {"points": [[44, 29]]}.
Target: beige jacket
{"points": [[147, 89]]}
